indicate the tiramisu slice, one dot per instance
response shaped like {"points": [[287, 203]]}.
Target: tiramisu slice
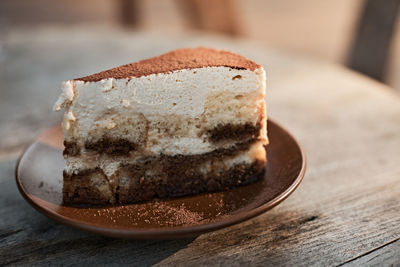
{"points": [[185, 122]]}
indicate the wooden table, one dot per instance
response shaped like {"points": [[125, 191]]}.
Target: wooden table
{"points": [[347, 210]]}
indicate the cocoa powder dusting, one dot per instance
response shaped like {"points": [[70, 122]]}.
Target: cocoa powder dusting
{"points": [[186, 58], [174, 216]]}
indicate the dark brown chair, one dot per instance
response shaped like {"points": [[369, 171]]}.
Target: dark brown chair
{"points": [[369, 51]]}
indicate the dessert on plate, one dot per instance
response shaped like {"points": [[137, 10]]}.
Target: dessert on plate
{"points": [[185, 122]]}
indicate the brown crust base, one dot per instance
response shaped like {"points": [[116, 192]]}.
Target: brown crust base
{"points": [[190, 183], [88, 186], [139, 187]]}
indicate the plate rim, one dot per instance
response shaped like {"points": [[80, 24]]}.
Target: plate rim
{"points": [[165, 233]]}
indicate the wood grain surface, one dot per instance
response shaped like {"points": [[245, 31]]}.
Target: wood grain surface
{"points": [[347, 210]]}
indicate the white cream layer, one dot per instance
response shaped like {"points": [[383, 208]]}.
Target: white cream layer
{"points": [[183, 93]]}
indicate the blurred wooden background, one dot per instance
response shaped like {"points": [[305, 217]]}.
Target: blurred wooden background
{"points": [[321, 29]]}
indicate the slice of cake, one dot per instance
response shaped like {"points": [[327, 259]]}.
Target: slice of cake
{"points": [[185, 122]]}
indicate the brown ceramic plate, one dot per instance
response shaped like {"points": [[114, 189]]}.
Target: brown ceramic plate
{"points": [[39, 179]]}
